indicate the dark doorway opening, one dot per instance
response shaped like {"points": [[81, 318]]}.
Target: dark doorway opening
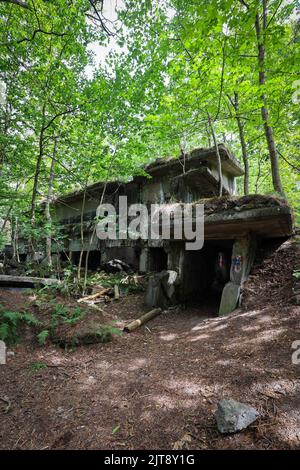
{"points": [[158, 260], [205, 273], [22, 257], [64, 257], [127, 254], [94, 259]]}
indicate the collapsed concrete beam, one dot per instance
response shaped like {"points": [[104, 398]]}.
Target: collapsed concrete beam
{"points": [[6, 280]]}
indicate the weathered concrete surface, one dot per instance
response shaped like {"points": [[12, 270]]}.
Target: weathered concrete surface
{"points": [[233, 416], [143, 264], [154, 295], [161, 289], [169, 283], [243, 254], [17, 280]]}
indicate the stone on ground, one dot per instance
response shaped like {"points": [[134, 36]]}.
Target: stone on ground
{"points": [[233, 416], [230, 298]]}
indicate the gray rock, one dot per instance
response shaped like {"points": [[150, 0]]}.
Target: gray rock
{"points": [[233, 416], [230, 298], [2, 352]]}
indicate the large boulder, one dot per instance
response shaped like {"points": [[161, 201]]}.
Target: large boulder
{"points": [[233, 416]]}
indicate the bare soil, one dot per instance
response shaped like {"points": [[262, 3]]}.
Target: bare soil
{"points": [[158, 387]]}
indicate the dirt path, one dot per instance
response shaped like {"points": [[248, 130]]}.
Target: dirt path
{"points": [[157, 388]]}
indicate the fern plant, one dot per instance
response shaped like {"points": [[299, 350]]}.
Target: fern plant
{"points": [[61, 313], [10, 321], [106, 331], [42, 336]]}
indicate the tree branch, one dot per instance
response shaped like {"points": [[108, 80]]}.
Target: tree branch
{"points": [[244, 4], [50, 33], [275, 13], [98, 17], [297, 168]]}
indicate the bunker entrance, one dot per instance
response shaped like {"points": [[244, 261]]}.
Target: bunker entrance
{"points": [[158, 260], [128, 254], [205, 273], [93, 262]]}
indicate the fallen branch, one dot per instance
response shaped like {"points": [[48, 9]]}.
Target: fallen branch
{"points": [[96, 308], [94, 296], [143, 319]]}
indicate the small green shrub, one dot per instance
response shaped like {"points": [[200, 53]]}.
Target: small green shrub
{"points": [[106, 331], [74, 316], [9, 323], [35, 366], [42, 336], [62, 314]]}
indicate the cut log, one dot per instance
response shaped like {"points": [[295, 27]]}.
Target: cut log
{"points": [[143, 319]]}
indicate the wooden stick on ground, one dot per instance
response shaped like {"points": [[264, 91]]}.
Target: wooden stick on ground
{"points": [[117, 292], [143, 319], [94, 296]]}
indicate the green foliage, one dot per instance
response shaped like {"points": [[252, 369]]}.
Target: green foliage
{"points": [[116, 429], [7, 333], [176, 61], [30, 319], [42, 337], [36, 366], [127, 283], [65, 315], [104, 334], [10, 322], [296, 274]]}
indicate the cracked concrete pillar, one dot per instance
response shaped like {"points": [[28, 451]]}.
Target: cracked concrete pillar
{"points": [[143, 263], [243, 254]]}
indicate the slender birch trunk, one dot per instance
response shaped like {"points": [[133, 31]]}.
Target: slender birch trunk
{"points": [[219, 163], [260, 28], [47, 205]]}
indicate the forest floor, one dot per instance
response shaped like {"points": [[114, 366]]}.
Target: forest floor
{"points": [[158, 387]]}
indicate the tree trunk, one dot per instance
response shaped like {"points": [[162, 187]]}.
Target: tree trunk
{"points": [[81, 234], [260, 36], [47, 206], [36, 180], [15, 240], [235, 104], [219, 163]]}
